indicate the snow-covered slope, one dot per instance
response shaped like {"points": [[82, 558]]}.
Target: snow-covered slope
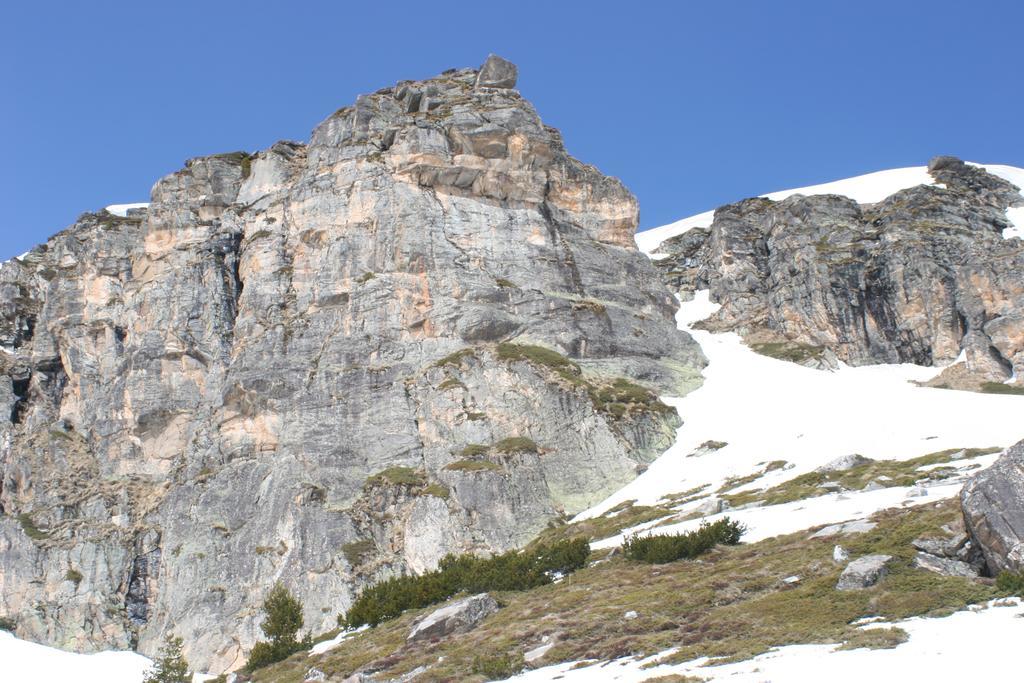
{"points": [[122, 209]]}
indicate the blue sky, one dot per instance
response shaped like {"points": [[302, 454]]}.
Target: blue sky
{"points": [[692, 104]]}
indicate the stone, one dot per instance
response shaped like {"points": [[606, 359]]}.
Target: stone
{"points": [[207, 397], [992, 502], [461, 616], [942, 547], [864, 572], [917, 492], [843, 463], [314, 675], [712, 506], [630, 615], [944, 565], [497, 73], [840, 555]]}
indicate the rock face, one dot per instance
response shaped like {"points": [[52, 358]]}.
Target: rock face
{"points": [[323, 364], [863, 572], [993, 507], [918, 277], [459, 617]]}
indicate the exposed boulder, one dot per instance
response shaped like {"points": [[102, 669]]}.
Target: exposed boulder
{"points": [[497, 73], [863, 572], [944, 565], [459, 617], [993, 506]]}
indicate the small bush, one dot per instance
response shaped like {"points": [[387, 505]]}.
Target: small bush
{"points": [[456, 358], [538, 355], [358, 551], [511, 571], [170, 666], [73, 575], [8, 624], [498, 667], [506, 284], [662, 549], [473, 466], [474, 449], [365, 277], [1011, 583]]}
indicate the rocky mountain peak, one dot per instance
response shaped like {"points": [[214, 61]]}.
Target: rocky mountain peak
{"points": [[324, 364]]}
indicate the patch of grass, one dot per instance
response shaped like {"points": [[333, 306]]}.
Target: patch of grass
{"points": [[875, 639], [451, 383], [473, 466], [1000, 388], [789, 350], [474, 449], [712, 445], [669, 548], [358, 552], [505, 284], [728, 603], [622, 516], [622, 397], [74, 576], [8, 624], [437, 490], [516, 444], [398, 476], [475, 416], [498, 667], [456, 358], [30, 528], [365, 277], [887, 473], [540, 356]]}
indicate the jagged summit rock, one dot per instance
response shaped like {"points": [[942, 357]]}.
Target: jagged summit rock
{"points": [[323, 364], [497, 73]]}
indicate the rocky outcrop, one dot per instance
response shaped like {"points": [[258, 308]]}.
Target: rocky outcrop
{"points": [[993, 507], [323, 364], [919, 277], [458, 617]]}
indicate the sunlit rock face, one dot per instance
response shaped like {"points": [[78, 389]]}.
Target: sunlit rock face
{"points": [[322, 364]]}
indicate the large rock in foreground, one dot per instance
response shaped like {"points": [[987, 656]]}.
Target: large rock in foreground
{"points": [[428, 331], [459, 617], [993, 507]]}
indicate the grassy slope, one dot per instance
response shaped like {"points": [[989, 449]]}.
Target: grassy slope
{"points": [[730, 603]]}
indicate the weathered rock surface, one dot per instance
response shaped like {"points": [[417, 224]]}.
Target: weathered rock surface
{"points": [[843, 463], [918, 277], [863, 572], [993, 507], [321, 364], [944, 565], [459, 617]]}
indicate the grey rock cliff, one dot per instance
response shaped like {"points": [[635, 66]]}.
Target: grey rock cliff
{"points": [[918, 277], [993, 507], [426, 331]]}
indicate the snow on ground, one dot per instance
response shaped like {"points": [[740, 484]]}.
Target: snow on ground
{"points": [[951, 648], [337, 640], [767, 409], [24, 662], [122, 209]]}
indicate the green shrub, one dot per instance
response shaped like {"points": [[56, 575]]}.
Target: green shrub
{"points": [[73, 575], [8, 624], [456, 358], [281, 625], [357, 551], [506, 284], [474, 449], [170, 666], [398, 476], [511, 571], [365, 277], [473, 466], [498, 667], [669, 548], [538, 355], [1011, 583]]}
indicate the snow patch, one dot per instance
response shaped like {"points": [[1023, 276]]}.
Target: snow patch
{"points": [[25, 662], [337, 640], [122, 209]]}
